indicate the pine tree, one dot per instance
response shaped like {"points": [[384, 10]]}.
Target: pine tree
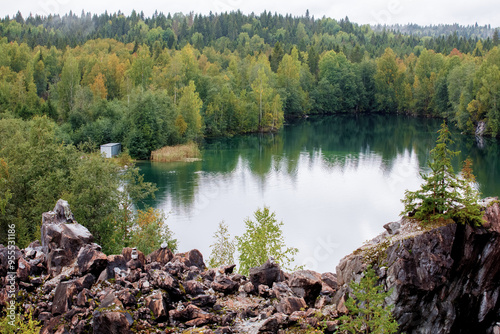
{"points": [[367, 313], [470, 213], [443, 195], [439, 195]]}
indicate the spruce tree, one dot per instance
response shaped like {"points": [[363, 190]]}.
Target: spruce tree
{"points": [[443, 195], [367, 313]]}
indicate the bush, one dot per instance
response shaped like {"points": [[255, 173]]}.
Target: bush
{"points": [[149, 231], [263, 239], [223, 248]]}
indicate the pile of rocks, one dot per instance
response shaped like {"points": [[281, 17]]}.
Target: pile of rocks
{"points": [[75, 288], [443, 280]]}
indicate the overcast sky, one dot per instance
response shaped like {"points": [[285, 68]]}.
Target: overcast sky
{"points": [[422, 12]]}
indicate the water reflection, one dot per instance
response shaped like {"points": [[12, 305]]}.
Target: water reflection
{"points": [[334, 181]]}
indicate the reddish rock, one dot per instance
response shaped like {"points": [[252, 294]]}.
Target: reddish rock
{"points": [[84, 282], [112, 322], [156, 303], [91, 260], [270, 325], [109, 300], [134, 256], [23, 270], [204, 300], [227, 269], [63, 297], [163, 280], [225, 285], [162, 256], [192, 316], [193, 288], [53, 325], [126, 297], [282, 290], [306, 284], [116, 265], [81, 298], [62, 237], [492, 217], [267, 274], [330, 279], [191, 258], [288, 305]]}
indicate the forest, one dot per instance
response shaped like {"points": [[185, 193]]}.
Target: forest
{"points": [[71, 83], [153, 81]]}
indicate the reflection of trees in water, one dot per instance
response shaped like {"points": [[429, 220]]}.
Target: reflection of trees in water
{"points": [[344, 141]]}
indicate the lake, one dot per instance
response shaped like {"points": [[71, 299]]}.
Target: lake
{"points": [[334, 181]]}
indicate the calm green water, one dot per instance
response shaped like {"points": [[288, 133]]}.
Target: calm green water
{"points": [[334, 181]]}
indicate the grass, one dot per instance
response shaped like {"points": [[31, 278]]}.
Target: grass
{"points": [[184, 152]]}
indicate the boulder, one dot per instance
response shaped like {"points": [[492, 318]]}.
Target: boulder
{"points": [[270, 325], [157, 304], [225, 285], [492, 216], [288, 305], [91, 260], [267, 274], [191, 315], [23, 270], [193, 288], [393, 227], [306, 284], [62, 237], [162, 256], [163, 280], [63, 297], [112, 322], [116, 265], [330, 279], [134, 258], [191, 258], [110, 301], [204, 300], [127, 298]]}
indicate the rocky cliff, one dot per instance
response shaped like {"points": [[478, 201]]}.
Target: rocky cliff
{"points": [[443, 280]]}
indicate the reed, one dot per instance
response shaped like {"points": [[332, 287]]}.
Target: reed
{"points": [[183, 152]]}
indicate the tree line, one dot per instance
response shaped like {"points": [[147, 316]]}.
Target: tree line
{"points": [[225, 31], [150, 95]]}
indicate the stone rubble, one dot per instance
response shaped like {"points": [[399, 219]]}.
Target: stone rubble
{"points": [[443, 280]]}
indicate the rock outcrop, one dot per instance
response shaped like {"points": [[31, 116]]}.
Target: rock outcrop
{"points": [[443, 279]]}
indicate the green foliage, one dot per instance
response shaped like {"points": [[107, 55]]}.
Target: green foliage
{"points": [[470, 211], [443, 195], [41, 170], [223, 248], [23, 324], [149, 231], [366, 310], [263, 238]]}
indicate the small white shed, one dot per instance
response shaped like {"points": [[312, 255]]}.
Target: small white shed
{"points": [[111, 150]]}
